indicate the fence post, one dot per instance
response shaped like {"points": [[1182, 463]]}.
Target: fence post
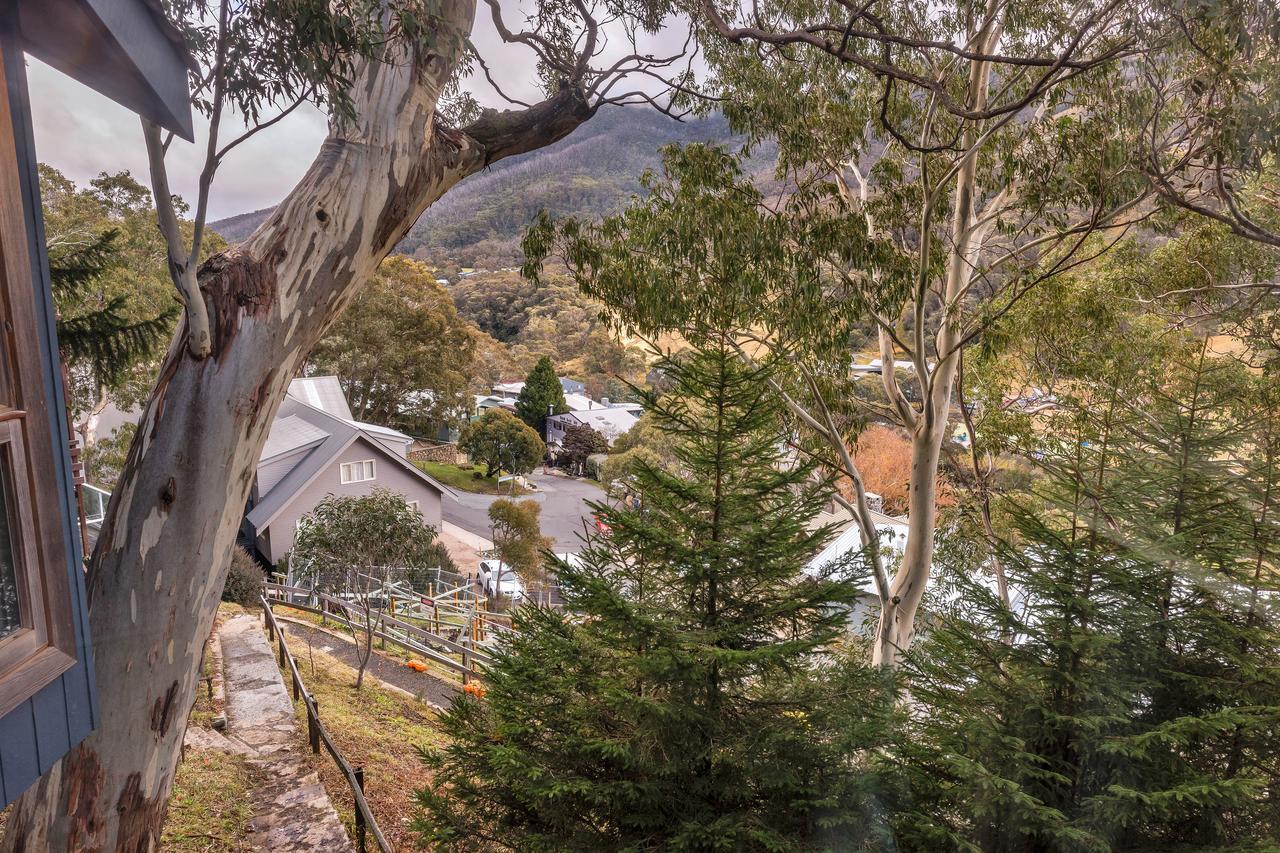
{"points": [[296, 690], [466, 666], [282, 648], [313, 730], [360, 831]]}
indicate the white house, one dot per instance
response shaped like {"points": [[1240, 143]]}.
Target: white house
{"points": [[610, 422]]}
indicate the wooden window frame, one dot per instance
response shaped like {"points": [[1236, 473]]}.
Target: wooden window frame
{"points": [[44, 647]]}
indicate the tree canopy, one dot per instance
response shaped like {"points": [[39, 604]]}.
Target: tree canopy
{"points": [[501, 442], [542, 395], [401, 351]]}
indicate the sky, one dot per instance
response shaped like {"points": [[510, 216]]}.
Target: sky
{"points": [[82, 133]]}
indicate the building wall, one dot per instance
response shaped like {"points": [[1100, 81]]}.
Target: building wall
{"points": [[39, 731], [278, 540]]}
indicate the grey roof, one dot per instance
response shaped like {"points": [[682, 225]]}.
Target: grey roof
{"points": [[288, 434], [338, 435], [323, 393], [125, 49]]}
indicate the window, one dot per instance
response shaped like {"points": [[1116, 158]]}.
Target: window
{"points": [[413, 505], [357, 472], [37, 629]]}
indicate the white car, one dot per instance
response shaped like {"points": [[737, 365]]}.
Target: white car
{"points": [[499, 579]]}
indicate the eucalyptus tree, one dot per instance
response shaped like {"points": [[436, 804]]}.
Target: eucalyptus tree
{"points": [[400, 136], [942, 162]]}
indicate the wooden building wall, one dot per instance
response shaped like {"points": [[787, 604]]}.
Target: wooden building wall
{"points": [[40, 731]]}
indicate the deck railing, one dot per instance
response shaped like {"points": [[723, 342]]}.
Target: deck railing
{"points": [[317, 734]]}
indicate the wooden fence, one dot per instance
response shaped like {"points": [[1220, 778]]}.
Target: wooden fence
{"points": [[317, 735], [458, 655]]}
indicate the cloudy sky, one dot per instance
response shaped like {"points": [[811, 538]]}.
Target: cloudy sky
{"points": [[82, 133]]}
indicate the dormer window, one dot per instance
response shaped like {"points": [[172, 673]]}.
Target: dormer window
{"points": [[356, 472]]}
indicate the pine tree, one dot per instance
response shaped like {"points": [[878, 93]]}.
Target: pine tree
{"points": [[542, 393], [1130, 701], [694, 696], [93, 331]]}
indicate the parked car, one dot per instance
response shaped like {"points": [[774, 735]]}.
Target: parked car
{"points": [[499, 579]]}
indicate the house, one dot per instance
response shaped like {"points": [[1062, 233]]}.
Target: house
{"points": [[511, 390], [128, 52], [610, 422], [315, 449], [846, 544]]}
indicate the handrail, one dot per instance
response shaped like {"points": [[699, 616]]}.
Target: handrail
{"points": [[318, 734], [471, 656]]}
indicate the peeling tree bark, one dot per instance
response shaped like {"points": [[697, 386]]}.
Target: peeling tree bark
{"points": [[158, 571]]}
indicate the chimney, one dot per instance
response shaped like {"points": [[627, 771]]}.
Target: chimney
{"points": [[875, 503], [604, 401]]}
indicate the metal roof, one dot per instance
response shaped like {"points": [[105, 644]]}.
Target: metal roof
{"points": [[338, 435], [323, 393], [288, 434]]}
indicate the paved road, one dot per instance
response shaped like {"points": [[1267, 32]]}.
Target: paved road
{"points": [[564, 507]]}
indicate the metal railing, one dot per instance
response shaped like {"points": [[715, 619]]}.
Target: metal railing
{"points": [[460, 656], [317, 734]]}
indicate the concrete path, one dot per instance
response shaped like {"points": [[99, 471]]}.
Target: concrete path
{"points": [[292, 810]]}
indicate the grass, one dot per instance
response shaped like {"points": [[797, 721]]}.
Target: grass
{"points": [[462, 477], [374, 728], [209, 809]]}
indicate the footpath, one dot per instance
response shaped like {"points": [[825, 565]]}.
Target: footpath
{"points": [[292, 810]]}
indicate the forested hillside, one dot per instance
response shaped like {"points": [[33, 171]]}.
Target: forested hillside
{"points": [[590, 173]]}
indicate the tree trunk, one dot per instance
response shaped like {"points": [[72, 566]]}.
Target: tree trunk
{"points": [[897, 625], [158, 570]]}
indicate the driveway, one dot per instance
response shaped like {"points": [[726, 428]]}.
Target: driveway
{"points": [[564, 509]]}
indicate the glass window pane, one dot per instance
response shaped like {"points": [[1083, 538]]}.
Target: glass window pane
{"points": [[10, 612]]}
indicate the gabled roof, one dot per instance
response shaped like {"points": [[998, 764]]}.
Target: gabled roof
{"points": [[323, 393], [289, 434], [339, 434]]}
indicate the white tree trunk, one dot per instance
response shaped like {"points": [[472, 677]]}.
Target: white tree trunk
{"points": [[158, 570], [897, 625]]}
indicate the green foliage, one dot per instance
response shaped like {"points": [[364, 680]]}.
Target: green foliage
{"points": [[378, 535], [698, 698], [274, 52], [1129, 700], [401, 351], [245, 579], [116, 305], [541, 395], [501, 441], [517, 536], [105, 458], [579, 442]]}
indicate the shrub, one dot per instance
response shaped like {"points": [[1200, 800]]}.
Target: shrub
{"points": [[244, 579]]}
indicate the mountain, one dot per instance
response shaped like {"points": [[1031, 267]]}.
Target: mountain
{"points": [[590, 173]]}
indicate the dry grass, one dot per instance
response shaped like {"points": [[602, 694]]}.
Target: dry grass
{"points": [[210, 809], [374, 728]]}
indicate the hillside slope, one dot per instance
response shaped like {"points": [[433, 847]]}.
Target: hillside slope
{"points": [[590, 173]]}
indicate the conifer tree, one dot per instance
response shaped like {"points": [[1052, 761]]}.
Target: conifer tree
{"points": [[694, 695], [542, 393], [1130, 698]]}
